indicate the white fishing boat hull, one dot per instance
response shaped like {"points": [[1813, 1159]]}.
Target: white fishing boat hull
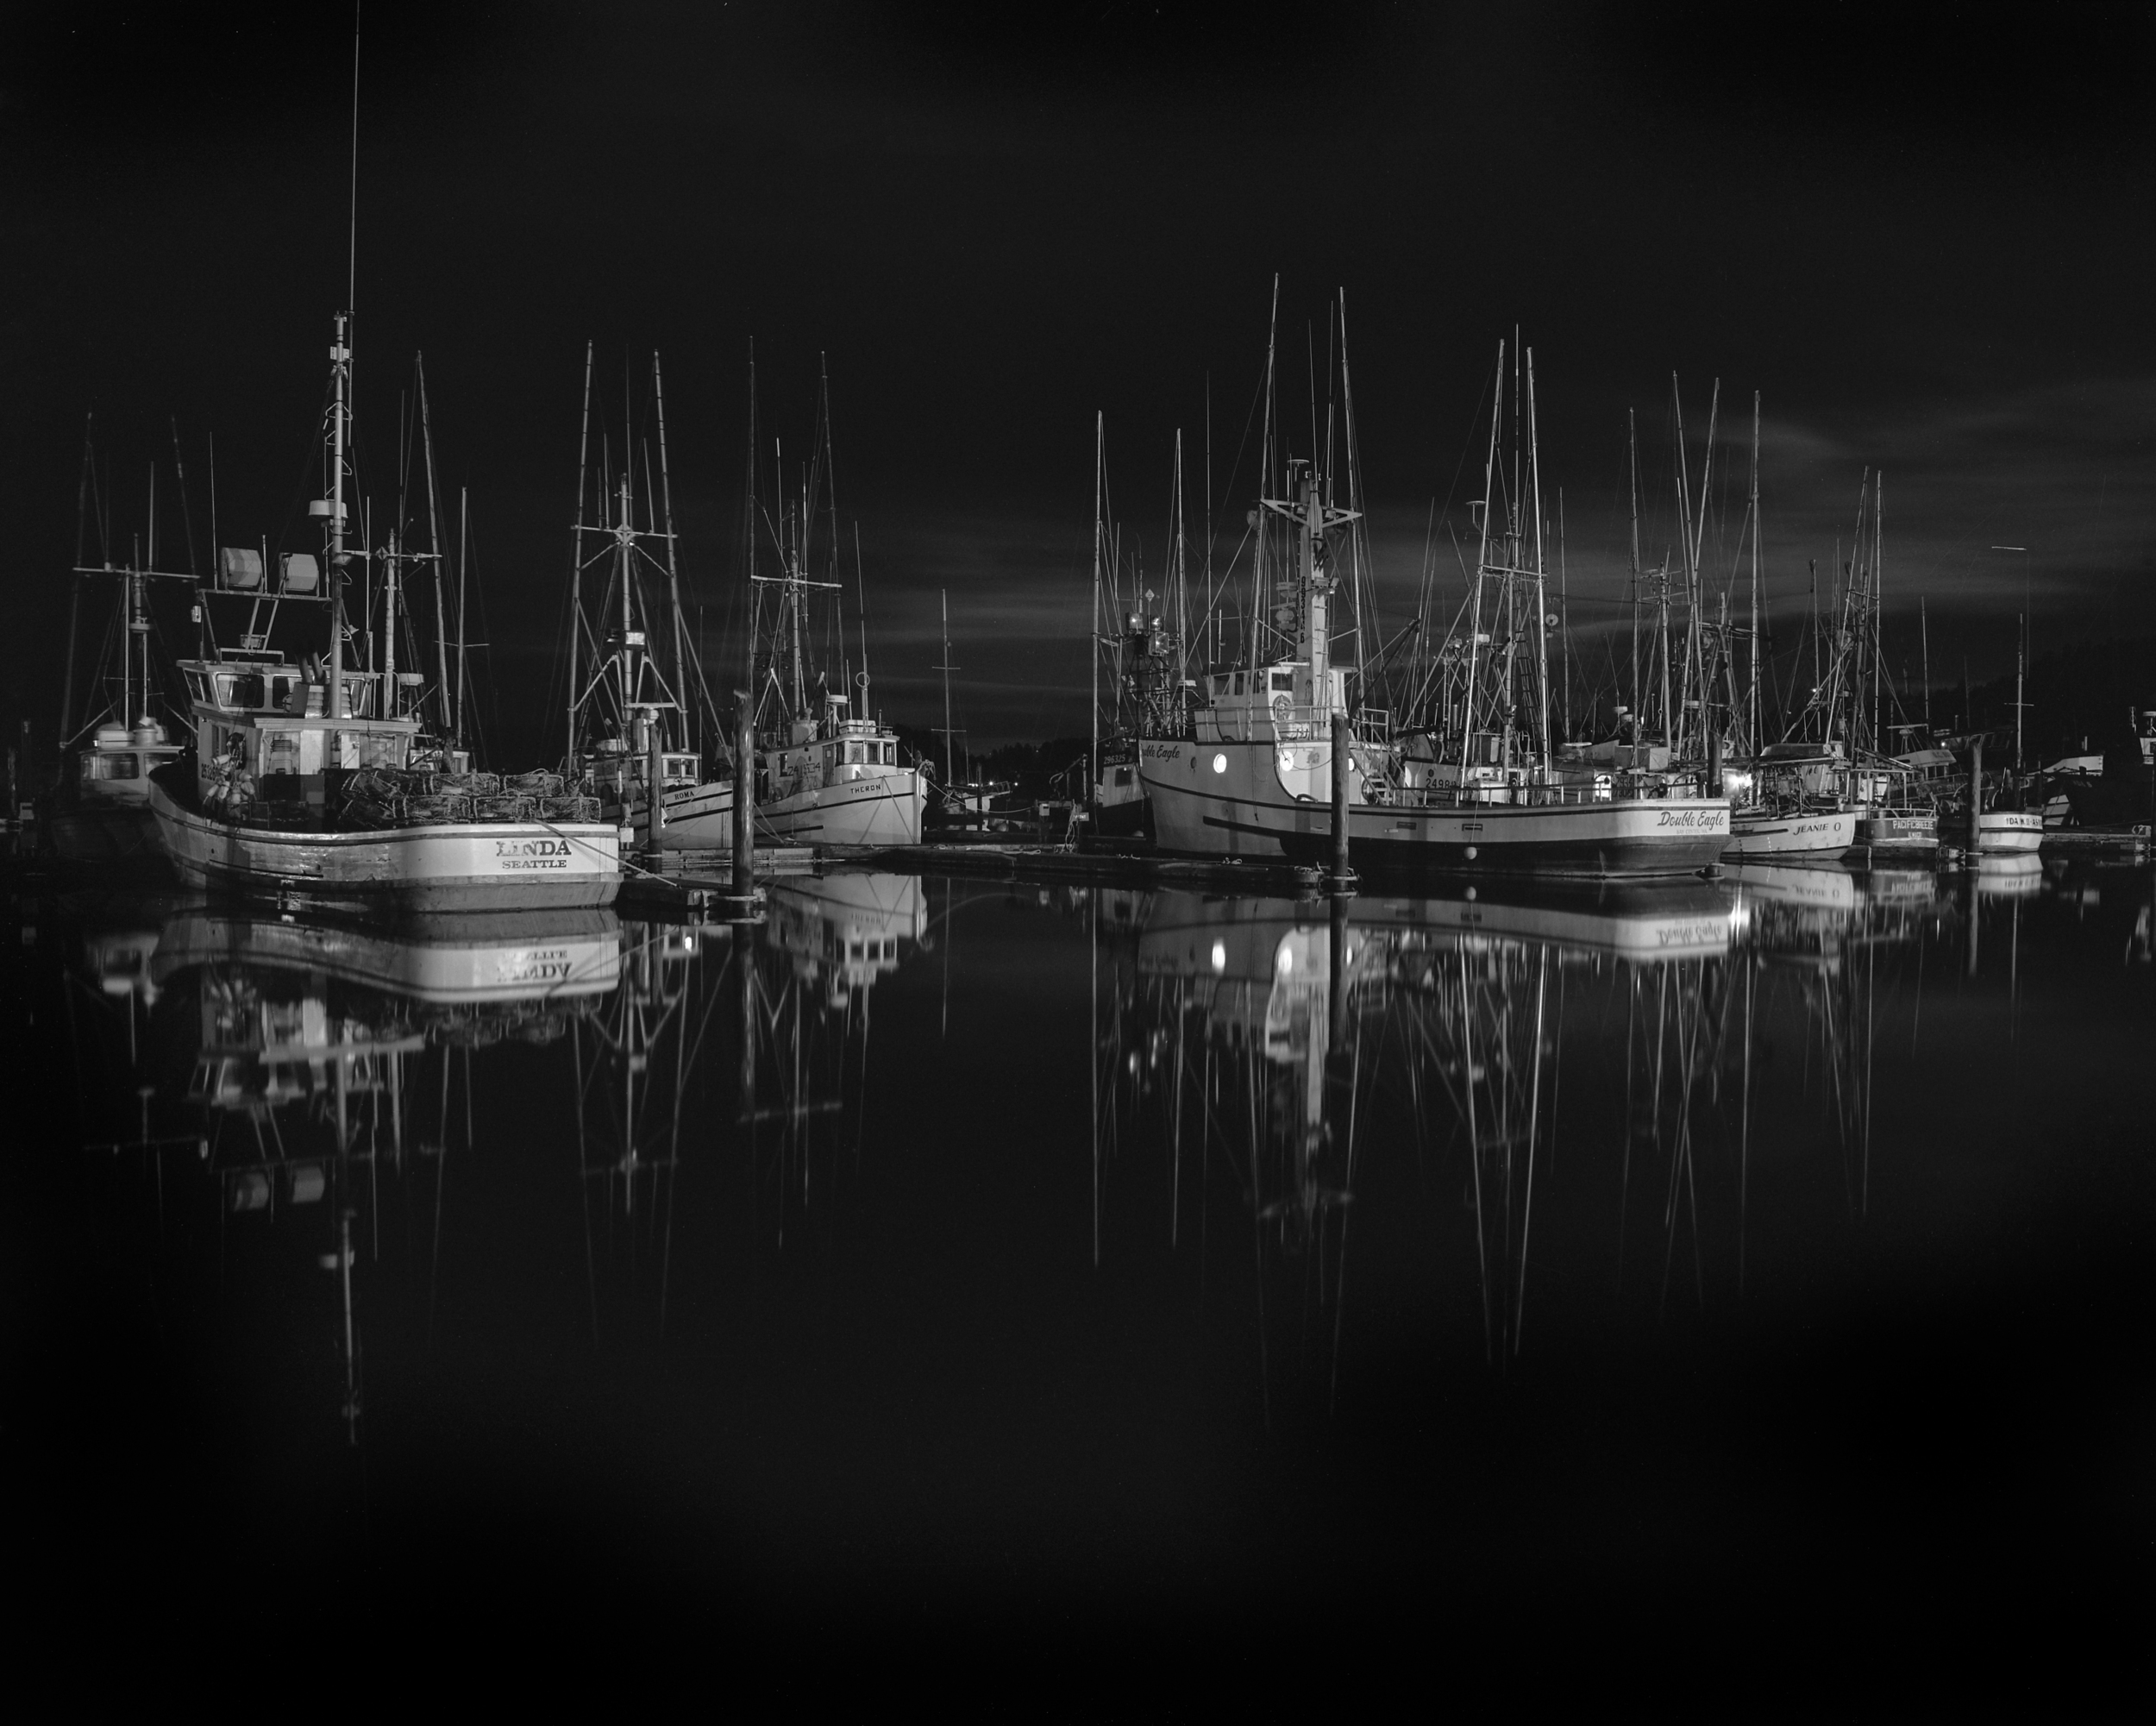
{"points": [[1913, 830], [2010, 832], [884, 809], [1754, 835], [475, 866], [1226, 799]]}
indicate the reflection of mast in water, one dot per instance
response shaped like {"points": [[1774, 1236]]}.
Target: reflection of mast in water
{"points": [[634, 1058], [1231, 1029], [1297, 1025], [1816, 938], [304, 1045], [806, 1021]]}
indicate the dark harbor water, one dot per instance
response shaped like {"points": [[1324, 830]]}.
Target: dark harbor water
{"points": [[1636, 1293]]}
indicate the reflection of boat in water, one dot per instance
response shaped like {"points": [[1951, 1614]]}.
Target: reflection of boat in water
{"points": [[1281, 1035], [847, 929], [805, 1016], [2009, 875], [1681, 919], [322, 1061], [1295, 1042], [450, 960]]}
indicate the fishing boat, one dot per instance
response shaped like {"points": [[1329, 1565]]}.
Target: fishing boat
{"points": [[309, 779], [1469, 784], [1139, 653], [824, 772], [1844, 723], [99, 813]]}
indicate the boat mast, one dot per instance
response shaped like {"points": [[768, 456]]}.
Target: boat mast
{"points": [[464, 545], [1542, 613], [1180, 588], [1879, 610], [433, 540], [1751, 719], [946, 668], [576, 563], [340, 376], [673, 568], [1481, 556], [1100, 468], [1631, 445], [1258, 596]]}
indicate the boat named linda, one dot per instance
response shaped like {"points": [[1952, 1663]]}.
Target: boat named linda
{"points": [[309, 780]]}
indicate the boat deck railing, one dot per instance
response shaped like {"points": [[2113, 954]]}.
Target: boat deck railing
{"points": [[1287, 722]]}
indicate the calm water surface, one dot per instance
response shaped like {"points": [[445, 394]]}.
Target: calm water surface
{"points": [[1747, 1278]]}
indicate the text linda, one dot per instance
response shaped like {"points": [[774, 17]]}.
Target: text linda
{"points": [[522, 854]]}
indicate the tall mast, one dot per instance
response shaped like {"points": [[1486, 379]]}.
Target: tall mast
{"points": [[1674, 722], [1879, 610], [1751, 719], [576, 561], [433, 541], [674, 567], [748, 524], [1260, 607], [946, 668], [1564, 613], [1181, 586], [1542, 611], [1481, 555], [464, 543], [1099, 469], [1631, 446], [340, 376]]}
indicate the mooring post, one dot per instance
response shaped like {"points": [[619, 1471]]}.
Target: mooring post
{"points": [[654, 793], [1342, 876], [1976, 801], [745, 796]]}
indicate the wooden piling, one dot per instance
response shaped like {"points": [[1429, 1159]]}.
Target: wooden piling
{"points": [[654, 793], [744, 795], [1343, 759]]}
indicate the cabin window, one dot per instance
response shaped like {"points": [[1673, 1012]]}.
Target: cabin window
{"points": [[890, 755], [281, 694], [1236, 688], [1123, 775], [246, 690], [115, 766], [854, 754], [1284, 680]]}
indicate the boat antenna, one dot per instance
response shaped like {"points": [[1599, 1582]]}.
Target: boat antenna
{"points": [[352, 229]]}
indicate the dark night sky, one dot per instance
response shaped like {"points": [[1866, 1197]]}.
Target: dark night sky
{"points": [[1923, 235]]}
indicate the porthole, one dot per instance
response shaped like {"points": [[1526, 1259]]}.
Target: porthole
{"points": [[1220, 763]]}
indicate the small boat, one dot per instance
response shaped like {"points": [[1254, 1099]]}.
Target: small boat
{"points": [[100, 812], [2009, 832]]}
